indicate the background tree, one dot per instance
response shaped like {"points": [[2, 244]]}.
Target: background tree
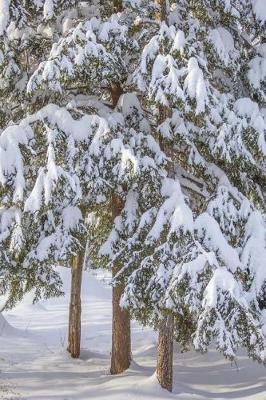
{"points": [[27, 31], [101, 45]]}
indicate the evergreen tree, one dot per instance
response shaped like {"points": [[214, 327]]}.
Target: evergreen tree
{"points": [[91, 60], [202, 265], [27, 31], [158, 147]]}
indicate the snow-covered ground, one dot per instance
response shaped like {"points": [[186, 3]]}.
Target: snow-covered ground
{"points": [[35, 366]]}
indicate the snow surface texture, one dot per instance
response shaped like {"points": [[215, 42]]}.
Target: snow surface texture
{"points": [[35, 366]]}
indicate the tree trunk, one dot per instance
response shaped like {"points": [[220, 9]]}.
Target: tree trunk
{"points": [[107, 8], [74, 332], [118, 6], [164, 368], [121, 337], [162, 14], [116, 92]]}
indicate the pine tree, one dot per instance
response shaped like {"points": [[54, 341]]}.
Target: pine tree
{"points": [[27, 31], [39, 227], [101, 45], [201, 265], [158, 147]]}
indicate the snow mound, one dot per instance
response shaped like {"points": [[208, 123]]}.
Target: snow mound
{"points": [[5, 328]]}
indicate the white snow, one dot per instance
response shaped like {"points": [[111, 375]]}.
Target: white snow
{"points": [[5, 328], [35, 366], [209, 230], [179, 42], [223, 280], [174, 211], [254, 251], [195, 85], [48, 9], [259, 10], [257, 68], [223, 43], [4, 15]]}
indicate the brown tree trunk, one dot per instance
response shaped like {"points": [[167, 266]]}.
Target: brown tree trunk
{"points": [[74, 328], [164, 368], [162, 13], [116, 92], [121, 337], [118, 6], [107, 8]]}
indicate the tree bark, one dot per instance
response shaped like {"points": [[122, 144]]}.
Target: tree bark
{"points": [[116, 92], [162, 14], [164, 368], [74, 332], [118, 6], [121, 336], [110, 7]]}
